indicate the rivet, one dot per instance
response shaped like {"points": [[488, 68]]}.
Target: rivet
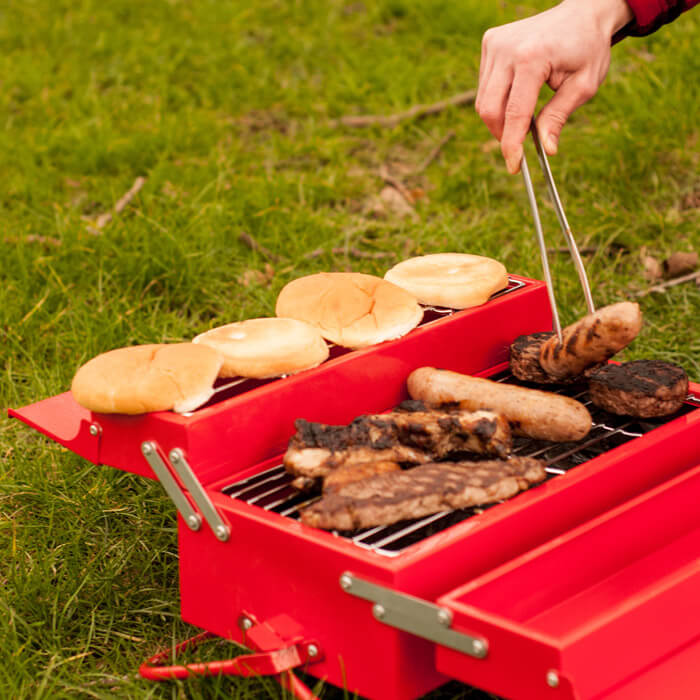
{"points": [[479, 647], [552, 679], [221, 532], [379, 610], [312, 650], [346, 582], [146, 448], [175, 455], [245, 623], [444, 617], [94, 430], [193, 521]]}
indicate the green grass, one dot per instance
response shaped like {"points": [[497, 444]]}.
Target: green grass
{"points": [[224, 107]]}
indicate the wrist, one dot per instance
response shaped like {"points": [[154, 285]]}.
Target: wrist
{"points": [[610, 15]]}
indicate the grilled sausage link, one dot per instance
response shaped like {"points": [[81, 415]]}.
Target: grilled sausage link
{"points": [[537, 414], [592, 340]]}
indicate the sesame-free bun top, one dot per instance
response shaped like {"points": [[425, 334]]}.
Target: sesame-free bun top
{"points": [[454, 280], [144, 378], [266, 347], [350, 308]]}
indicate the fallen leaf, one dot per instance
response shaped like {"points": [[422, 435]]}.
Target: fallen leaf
{"points": [[260, 277], [679, 263], [391, 202], [653, 269]]}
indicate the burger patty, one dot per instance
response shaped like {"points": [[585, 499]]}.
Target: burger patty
{"points": [[642, 388], [430, 488], [525, 358]]}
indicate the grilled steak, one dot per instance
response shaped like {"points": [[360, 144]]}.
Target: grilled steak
{"points": [[342, 476], [316, 449], [420, 491], [643, 388]]}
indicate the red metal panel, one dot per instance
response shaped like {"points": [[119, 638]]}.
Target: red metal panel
{"points": [[601, 604]]}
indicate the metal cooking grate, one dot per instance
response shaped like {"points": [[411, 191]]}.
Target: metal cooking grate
{"points": [[272, 489], [232, 387]]}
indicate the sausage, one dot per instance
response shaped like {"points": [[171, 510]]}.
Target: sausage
{"points": [[537, 414], [592, 340]]}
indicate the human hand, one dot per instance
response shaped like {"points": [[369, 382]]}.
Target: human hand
{"points": [[567, 47]]}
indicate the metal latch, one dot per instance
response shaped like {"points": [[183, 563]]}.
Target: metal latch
{"points": [[414, 615], [193, 520]]}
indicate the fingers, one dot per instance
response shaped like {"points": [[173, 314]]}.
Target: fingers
{"points": [[518, 112], [492, 97], [572, 93]]}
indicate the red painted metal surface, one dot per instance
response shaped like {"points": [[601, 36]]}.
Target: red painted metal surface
{"points": [[601, 604]]}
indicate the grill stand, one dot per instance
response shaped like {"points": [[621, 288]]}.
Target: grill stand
{"points": [[277, 649]]}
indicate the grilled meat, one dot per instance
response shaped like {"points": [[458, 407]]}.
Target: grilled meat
{"points": [[416, 438], [342, 476], [414, 493], [525, 358], [592, 340], [538, 414], [643, 388]]}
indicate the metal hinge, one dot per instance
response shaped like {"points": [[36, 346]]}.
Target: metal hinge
{"points": [[414, 615], [179, 463]]}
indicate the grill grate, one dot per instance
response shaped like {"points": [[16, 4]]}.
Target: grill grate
{"points": [[272, 489]]}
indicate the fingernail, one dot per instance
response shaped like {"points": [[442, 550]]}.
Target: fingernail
{"points": [[550, 145], [513, 161]]}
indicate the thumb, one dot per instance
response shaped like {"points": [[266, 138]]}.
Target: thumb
{"points": [[572, 93]]}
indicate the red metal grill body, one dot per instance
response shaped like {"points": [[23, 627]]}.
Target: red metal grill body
{"points": [[273, 566]]}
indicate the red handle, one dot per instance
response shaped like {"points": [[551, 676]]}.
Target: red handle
{"points": [[278, 662]]}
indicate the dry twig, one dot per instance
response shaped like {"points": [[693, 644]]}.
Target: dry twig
{"points": [[434, 153], [671, 283], [415, 112], [103, 219], [396, 184], [248, 240]]}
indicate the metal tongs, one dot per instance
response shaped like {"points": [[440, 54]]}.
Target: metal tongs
{"points": [[571, 243]]}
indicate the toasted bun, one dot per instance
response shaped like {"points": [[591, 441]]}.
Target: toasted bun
{"points": [[266, 347], [454, 280], [147, 378], [349, 308]]}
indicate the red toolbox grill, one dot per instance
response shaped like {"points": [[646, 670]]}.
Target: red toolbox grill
{"points": [[384, 611]]}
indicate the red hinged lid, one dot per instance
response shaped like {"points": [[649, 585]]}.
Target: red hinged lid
{"points": [[588, 612], [257, 422]]}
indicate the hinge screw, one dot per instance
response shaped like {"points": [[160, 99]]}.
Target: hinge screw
{"points": [[444, 617], [146, 448], [312, 650], [193, 521], [552, 679], [175, 455], [479, 648], [245, 623], [379, 611], [345, 582], [221, 532], [94, 430]]}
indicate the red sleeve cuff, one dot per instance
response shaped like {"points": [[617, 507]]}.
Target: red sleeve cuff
{"points": [[649, 15]]}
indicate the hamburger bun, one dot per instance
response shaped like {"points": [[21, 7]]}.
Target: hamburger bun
{"points": [[148, 378], [453, 280], [349, 308], [266, 347]]}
